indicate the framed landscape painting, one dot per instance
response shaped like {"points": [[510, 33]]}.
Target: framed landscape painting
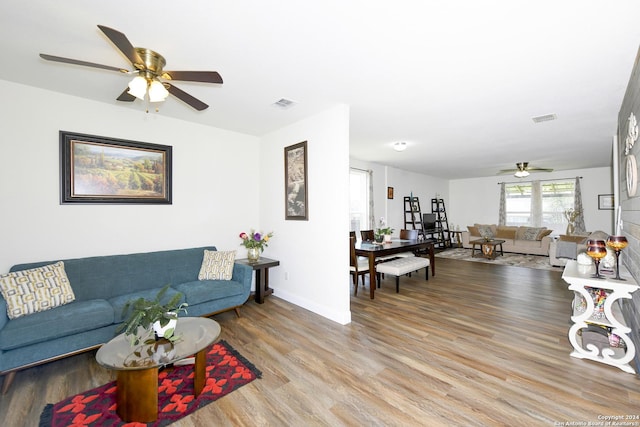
{"points": [[295, 178], [97, 169]]}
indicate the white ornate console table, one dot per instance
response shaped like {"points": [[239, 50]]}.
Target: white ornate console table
{"points": [[596, 305]]}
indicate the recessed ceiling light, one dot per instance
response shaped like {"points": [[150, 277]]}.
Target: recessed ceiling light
{"points": [[545, 118], [400, 146]]}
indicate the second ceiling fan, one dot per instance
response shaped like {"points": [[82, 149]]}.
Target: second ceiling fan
{"points": [[151, 79], [522, 170]]}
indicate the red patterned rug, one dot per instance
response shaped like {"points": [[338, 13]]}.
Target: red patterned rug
{"points": [[227, 370]]}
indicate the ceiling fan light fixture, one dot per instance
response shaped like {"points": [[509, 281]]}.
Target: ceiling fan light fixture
{"points": [[138, 87], [157, 91], [148, 68], [400, 146], [521, 174]]}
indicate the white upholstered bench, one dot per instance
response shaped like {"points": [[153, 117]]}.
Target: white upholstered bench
{"points": [[401, 266]]}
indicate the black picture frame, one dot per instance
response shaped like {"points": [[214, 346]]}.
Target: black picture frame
{"points": [[98, 169], [606, 202], [296, 196]]}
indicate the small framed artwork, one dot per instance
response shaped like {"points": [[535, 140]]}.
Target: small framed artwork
{"points": [[605, 201], [295, 182], [389, 192], [97, 169]]}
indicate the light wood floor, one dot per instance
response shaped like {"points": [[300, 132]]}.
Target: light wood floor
{"points": [[478, 345]]}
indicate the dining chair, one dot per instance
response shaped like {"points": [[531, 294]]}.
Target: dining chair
{"points": [[407, 235], [367, 235], [358, 266], [370, 236]]}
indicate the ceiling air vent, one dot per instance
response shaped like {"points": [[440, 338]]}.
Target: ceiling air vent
{"points": [[284, 103], [545, 118]]}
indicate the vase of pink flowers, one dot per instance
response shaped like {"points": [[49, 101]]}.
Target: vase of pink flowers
{"points": [[255, 242]]}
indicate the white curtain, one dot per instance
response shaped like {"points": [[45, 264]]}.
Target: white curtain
{"points": [[502, 214], [536, 204], [372, 218]]}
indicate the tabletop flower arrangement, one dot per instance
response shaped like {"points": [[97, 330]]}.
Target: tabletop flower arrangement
{"points": [[383, 231], [255, 242], [572, 217]]}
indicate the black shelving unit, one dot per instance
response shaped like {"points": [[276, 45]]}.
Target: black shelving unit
{"points": [[413, 214], [440, 232]]}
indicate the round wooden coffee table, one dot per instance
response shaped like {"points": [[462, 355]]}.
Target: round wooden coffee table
{"points": [[137, 367]]}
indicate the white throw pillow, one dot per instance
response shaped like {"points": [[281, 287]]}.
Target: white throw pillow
{"points": [[217, 265], [37, 289]]}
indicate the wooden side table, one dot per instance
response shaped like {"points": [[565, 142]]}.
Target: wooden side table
{"points": [[456, 237], [261, 267]]}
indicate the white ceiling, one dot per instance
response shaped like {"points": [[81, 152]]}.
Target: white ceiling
{"points": [[458, 80]]}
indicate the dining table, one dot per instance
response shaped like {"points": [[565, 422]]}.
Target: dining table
{"points": [[373, 250]]}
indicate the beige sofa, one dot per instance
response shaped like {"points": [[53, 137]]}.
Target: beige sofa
{"points": [[566, 247], [524, 240]]}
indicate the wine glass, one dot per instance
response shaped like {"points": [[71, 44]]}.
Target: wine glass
{"points": [[597, 250], [617, 243]]}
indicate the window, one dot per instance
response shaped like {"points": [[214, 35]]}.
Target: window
{"points": [[358, 200], [555, 198]]}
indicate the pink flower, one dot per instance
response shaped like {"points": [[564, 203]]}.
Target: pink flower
{"points": [[255, 239]]}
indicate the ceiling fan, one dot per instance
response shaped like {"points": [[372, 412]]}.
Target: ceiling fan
{"points": [[523, 169], [150, 77]]}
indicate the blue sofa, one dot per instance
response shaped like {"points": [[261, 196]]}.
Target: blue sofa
{"points": [[102, 285]]}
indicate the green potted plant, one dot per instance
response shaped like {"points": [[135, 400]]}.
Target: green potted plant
{"points": [[142, 314], [383, 230], [386, 231]]}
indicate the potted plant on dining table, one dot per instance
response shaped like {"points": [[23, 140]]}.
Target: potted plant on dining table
{"points": [[383, 231]]}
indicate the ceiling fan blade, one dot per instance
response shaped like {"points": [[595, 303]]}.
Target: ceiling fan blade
{"points": [[184, 96], [505, 171], [193, 76], [126, 96], [540, 169], [123, 44], [78, 62]]}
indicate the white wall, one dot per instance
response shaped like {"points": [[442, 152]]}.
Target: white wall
{"points": [[404, 183], [477, 200], [215, 192], [313, 254]]}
